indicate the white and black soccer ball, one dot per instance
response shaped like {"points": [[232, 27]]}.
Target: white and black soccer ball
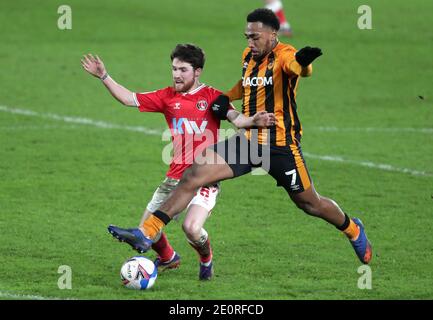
{"points": [[138, 273]]}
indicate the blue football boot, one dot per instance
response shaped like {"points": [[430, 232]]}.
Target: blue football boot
{"points": [[173, 263], [361, 245], [206, 271], [134, 237]]}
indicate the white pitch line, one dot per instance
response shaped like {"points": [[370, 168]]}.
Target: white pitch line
{"points": [[107, 125], [36, 127], [386, 130], [79, 120], [369, 164], [29, 297]]}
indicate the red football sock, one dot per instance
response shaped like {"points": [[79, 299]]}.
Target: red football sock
{"points": [[163, 248], [281, 16]]}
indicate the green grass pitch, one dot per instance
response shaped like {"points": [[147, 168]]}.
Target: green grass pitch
{"points": [[367, 113]]}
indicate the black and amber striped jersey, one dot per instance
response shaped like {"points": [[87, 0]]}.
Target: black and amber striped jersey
{"points": [[270, 85]]}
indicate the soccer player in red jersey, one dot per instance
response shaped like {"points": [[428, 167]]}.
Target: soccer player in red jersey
{"points": [[187, 109]]}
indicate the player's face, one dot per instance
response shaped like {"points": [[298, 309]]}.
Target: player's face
{"points": [[261, 39], [185, 77]]}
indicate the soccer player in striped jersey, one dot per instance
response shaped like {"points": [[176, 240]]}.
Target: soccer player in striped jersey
{"points": [[193, 126], [271, 72]]}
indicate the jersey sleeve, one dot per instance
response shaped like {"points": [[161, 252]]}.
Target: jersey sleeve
{"points": [[150, 101], [237, 92], [215, 93], [292, 67]]}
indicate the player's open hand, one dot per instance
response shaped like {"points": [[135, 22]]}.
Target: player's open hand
{"points": [[93, 65], [264, 119]]}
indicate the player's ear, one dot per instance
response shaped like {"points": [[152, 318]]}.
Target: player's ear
{"points": [[274, 35], [197, 72]]}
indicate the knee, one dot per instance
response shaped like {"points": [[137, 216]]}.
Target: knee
{"points": [[191, 229]]}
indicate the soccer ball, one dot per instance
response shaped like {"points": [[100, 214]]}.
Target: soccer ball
{"points": [[138, 273]]}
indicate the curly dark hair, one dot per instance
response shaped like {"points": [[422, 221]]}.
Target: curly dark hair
{"points": [[189, 53], [265, 16]]}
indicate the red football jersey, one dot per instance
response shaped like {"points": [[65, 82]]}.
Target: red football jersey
{"points": [[190, 118]]}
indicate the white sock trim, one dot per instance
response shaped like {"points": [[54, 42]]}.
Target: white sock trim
{"points": [[172, 257], [285, 25], [206, 264]]}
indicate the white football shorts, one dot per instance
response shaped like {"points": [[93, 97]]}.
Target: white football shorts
{"points": [[205, 196]]}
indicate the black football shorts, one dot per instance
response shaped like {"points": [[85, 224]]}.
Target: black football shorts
{"points": [[285, 164]]}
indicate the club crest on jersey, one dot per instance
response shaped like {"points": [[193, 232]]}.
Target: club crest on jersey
{"points": [[271, 61], [270, 65], [201, 105], [176, 106]]}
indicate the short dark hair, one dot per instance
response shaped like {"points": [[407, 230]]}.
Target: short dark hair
{"points": [[189, 53], [265, 16]]}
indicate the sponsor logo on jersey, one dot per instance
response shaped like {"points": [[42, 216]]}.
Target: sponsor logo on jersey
{"points": [[257, 81], [190, 126], [201, 105]]}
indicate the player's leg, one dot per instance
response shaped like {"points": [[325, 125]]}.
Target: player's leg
{"points": [[224, 160], [213, 165], [207, 169], [199, 240], [291, 173], [316, 205], [145, 215], [198, 211], [167, 257]]}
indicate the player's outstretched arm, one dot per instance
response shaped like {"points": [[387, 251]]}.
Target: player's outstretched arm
{"points": [[261, 119], [95, 66], [224, 111]]}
